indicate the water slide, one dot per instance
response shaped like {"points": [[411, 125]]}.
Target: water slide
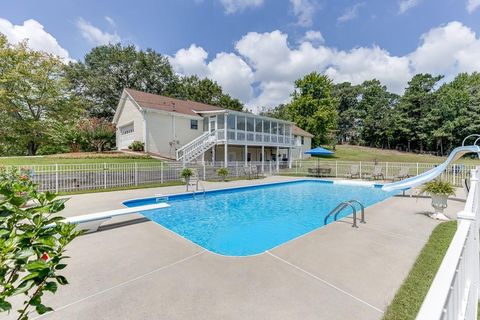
{"points": [[435, 172]]}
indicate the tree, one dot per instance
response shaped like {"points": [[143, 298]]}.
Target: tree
{"points": [[416, 104], [350, 117], [378, 107], [108, 69], [33, 95], [313, 108], [206, 91], [278, 112]]}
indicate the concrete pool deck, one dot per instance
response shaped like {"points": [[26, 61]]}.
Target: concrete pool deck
{"points": [[136, 269]]}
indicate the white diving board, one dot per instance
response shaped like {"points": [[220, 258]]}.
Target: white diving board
{"points": [[91, 222]]}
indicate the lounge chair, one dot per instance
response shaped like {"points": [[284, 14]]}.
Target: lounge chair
{"points": [[377, 173], [404, 173], [354, 171]]}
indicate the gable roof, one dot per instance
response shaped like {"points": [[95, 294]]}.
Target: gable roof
{"points": [[300, 132], [158, 102]]}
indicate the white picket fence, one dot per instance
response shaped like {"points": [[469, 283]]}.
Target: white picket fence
{"points": [[456, 173], [454, 292]]}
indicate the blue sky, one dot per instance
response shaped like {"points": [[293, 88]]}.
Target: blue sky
{"points": [[256, 48]]}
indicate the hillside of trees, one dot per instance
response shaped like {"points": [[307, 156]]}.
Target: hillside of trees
{"points": [[50, 106], [432, 116]]}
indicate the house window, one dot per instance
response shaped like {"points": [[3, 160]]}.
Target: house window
{"points": [[302, 139], [194, 124]]}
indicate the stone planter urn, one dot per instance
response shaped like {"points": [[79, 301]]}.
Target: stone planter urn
{"points": [[439, 203]]}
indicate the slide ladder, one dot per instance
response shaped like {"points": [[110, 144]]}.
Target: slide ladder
{"points": [[438, 170]]}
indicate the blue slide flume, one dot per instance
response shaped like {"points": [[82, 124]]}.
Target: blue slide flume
{"points": [[432, 173]]}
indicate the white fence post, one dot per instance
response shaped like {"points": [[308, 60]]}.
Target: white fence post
{"points": [[386, 170], [56, 178], [336, 169], [161, 172], [360, 169], [105, 176], [136, 174], [417, 169]]}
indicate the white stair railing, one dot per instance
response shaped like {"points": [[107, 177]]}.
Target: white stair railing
{"points": [[196, 147]]}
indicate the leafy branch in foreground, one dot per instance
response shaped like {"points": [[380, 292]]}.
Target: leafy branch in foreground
{"points": [[32, 242]]}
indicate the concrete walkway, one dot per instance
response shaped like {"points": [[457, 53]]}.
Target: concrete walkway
{"points": [[144, 271]]}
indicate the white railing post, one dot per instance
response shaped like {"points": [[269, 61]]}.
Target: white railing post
{"points": [[386, 170]]}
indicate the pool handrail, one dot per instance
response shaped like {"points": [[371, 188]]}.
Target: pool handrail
{"points": [[338, 209]]}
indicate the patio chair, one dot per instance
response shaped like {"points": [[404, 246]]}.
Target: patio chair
{"points": [[377, 173], [354, 171], [404, 173]]}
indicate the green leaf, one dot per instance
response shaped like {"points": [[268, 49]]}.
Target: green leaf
{"points": [[4, 306], [36, 265], [60, 266], [31, 276], [61, 280], [41, 309], [51, 286], [25, 253]]}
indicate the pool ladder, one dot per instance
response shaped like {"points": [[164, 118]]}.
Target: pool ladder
{"points": [[199, 182], [343, 205]]}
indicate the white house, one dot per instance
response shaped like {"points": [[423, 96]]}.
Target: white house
{"points": [[190, 131]]}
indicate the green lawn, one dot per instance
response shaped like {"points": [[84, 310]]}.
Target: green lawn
{"points": [[75, 159], [410, 296], [143, 186], [357, 153]]}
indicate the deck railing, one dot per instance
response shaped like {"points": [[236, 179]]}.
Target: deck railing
{"points": [[455, 289]]}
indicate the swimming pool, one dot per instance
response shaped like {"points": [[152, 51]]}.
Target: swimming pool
{"points": [[250, 220]]}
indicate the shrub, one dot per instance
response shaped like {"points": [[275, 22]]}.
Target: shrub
{"points": [[186, 173], [222, 173], [137, 146], [32, 242], [438, 187], [97, 133]]}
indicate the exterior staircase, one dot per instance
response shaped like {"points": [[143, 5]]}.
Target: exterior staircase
{"points": [[197, 147]]}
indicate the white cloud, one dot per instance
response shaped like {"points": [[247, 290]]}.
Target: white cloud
{"points": [[267, 64], [350, 12], [229, 70], [473, 5], [95, 35], [110, 21], [447, 49], [313, 36], [304, 10], [232, 6], [38, 38], [405, 5]]}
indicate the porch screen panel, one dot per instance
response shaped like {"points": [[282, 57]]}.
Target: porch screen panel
{"points": [[231, 125], [274, 132], [266, 131], [281, 132], [240, 128], [221, 126], [250, 128], [258, 130]]}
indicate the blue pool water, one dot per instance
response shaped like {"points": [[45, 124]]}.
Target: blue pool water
{"points": [[251, 220]]}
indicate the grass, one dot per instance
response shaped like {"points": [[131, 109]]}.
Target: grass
{"points": [[409, 297], [143, 186], [357, 153], [77, 158]]}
